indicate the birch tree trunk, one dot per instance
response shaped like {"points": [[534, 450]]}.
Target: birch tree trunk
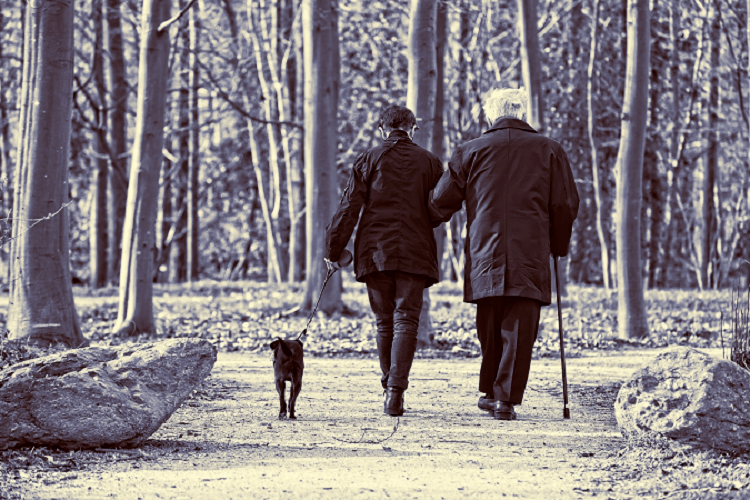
{"points": [[41, 307], [322, 74], [192, 264], [632, 318], [98, 209], [275, 269], [135, 309], [118, 108]]}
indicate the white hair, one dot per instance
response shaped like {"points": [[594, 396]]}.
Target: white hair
{"points": [[505, 103]]}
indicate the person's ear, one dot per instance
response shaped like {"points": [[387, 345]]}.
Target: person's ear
{"points": [[382, 133]]}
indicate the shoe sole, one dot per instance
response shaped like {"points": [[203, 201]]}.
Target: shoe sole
{"points": [[504, 415]]}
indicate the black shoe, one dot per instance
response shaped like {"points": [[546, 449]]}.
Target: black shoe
{"points": [[504, 411], [486, 403], [394, 402]]}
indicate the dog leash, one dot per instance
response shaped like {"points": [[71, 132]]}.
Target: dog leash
{"points": [[331, 272]]}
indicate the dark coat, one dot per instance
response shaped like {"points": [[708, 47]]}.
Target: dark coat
{"points": [[521, 201], [393, 183]]}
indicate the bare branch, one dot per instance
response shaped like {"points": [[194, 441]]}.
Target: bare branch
{"points": [[239, 108], [176, 18], [34, 223]]}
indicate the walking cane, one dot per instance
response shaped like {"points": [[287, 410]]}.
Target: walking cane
{"points": [[566, 411]]}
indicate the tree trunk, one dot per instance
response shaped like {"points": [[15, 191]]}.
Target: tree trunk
{"points": [[422, 81], [322, 70], [273, 198], [671, 266], [296, 175], [164, 222], [531, 63], [421, 98], [438, 129], [710, 207], [41, 305], [632, 318], [673, 140], [6, 185], [181, 147], [601, 216], [531, 68], [192, 260], [135, 310], [274, 271], [277, 68], [118, 108], [98, 209], [652, 211]]}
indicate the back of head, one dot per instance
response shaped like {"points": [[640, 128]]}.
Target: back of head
{"points": [[505, 103], [397, 117]]}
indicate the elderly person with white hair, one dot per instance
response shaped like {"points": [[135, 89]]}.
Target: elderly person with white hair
{"points": [[521, 201]]}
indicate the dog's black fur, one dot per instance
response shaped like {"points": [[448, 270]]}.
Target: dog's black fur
{"points": [[287, 365]]}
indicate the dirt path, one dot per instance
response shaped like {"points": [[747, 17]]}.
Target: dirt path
{"points": [[227, 443]]}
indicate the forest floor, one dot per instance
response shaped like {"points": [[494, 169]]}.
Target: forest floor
{"points": [[226, 442]]}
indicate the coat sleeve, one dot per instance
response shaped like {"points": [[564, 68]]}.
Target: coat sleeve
{"points": [[450, 192], [563, 205], [340, 229]]}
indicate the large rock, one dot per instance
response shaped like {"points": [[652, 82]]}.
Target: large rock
{"points": [[99, 397], [688, 396]]}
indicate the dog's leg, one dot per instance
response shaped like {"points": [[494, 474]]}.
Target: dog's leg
{"points": [[296, 387], [281, 387]]}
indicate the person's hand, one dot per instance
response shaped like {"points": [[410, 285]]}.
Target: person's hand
{"points": [[332, 266]]}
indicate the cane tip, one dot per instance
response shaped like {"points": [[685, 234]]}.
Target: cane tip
{"points": [[566, 413]]}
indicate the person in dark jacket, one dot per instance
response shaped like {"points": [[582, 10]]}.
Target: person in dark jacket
{"points": [[521, 201], [394, 251]]}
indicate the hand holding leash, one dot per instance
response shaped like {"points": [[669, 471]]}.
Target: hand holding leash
{"points": [[344, 260]]}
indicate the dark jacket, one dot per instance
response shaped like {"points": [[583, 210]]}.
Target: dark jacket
{"points": [[521, 201], [393, 183]]}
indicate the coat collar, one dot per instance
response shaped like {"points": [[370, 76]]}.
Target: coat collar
{"points": [[397, 135], [506, 122]]}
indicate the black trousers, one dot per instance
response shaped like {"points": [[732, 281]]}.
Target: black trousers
{"points": [[507, 329], [396, 300]]}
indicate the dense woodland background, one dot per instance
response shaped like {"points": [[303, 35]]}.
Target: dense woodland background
{"points": [[232, 196]]}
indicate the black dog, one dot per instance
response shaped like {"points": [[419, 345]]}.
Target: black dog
{"points": [[287, 365]]}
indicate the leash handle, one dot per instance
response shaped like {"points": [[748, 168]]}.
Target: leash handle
{"points": [[566, 411], [331, 272]]}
